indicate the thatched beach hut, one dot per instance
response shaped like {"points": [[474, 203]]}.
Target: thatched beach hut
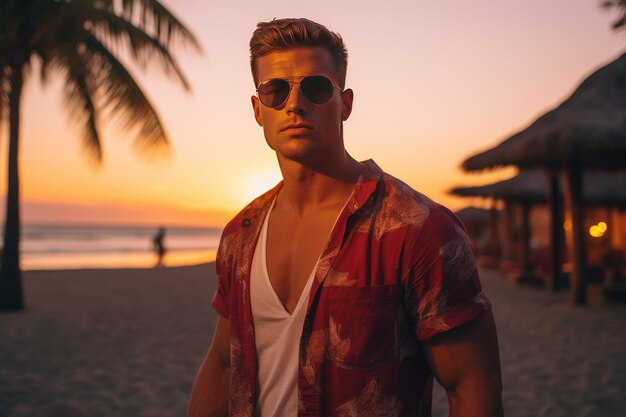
{"points": [[522, 191], [530, 188], [585, 132]]}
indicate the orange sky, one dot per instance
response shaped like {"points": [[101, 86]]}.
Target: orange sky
{"points": [[434, 82]]}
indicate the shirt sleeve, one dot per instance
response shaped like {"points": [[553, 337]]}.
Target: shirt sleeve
{"points": [[443, 289], [221, 298]]}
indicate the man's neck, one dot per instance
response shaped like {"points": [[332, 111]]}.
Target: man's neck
{"points": [[313, 185]]}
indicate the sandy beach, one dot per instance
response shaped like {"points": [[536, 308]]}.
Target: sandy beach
{"points": [[128, 342], [106, 342]]}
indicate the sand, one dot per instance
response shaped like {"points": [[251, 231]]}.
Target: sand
{"points": [[558, 360], [106, 342], [128, 342]]}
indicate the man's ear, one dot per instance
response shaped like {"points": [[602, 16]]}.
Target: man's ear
{"points": [[257, 111], [346, 103]]}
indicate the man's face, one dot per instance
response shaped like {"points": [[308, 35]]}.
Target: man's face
{"points": [[299, 130]]}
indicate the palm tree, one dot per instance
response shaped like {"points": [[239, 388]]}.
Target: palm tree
{"points": [[620, 23], [79, 41]]}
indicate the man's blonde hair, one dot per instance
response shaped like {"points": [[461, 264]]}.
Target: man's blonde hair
{"points": [[282, 34]]}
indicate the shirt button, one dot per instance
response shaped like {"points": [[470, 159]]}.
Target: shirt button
{"points": [[246, 223]]}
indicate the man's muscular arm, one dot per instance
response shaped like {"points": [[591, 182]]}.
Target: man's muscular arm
{"points": [[466, 362], [210, 392]]}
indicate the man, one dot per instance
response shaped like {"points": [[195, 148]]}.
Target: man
{"points": [[342, 291]]}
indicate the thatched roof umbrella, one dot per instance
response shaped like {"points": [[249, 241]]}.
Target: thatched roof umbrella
{"points": [[527, 186], [525, 189], [588, 130], [589, 127], [531, 187], [605, 189]]}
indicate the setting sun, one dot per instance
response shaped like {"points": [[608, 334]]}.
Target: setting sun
{"points": [[259, 182]]}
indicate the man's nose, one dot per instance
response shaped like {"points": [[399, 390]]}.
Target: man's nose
{"points": [[296, 102]]}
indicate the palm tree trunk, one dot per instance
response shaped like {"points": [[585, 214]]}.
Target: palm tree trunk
{"points": [[11, 297]]}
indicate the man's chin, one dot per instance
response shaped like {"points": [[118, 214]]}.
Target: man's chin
{"points": [[302, 155], [299, 148]]}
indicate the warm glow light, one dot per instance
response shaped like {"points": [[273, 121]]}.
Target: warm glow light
{"points": [[567, 225], [598, 230], [259, 183]]}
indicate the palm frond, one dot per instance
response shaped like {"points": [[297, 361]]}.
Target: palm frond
{"points": [[47, 65], [82, 39], [153, 18], [4, 94], [57, 18], [122, 98], [4, 100], [620, 23], [79, 94], [79, 98], [157, 20], [608, 4], [143, 28], [620, 5], [119, 34]]}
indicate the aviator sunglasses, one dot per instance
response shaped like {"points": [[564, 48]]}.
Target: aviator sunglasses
{"points": [[317, 89]]}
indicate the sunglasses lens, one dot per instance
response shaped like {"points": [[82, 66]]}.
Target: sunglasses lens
{"points": [[273, 93], [317, 89]]}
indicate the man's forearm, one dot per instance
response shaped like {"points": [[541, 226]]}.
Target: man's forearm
{"points": [[478, 399], [210, 392]]}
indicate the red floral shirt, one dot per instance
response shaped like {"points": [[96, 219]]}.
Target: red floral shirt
{"points": [[397, 270]]}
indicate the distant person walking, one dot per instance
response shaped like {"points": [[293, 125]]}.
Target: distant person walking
{"points": [[159, 246]]}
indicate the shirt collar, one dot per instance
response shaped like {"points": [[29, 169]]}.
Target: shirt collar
{"points": [[366, 184]]}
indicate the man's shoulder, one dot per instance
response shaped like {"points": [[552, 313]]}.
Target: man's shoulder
{"points": [[398, 189], [403, 203], [428, 220], [398, 205], [251, 213]]}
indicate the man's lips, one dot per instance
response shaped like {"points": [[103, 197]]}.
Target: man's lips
{"points": [[297, 126]]}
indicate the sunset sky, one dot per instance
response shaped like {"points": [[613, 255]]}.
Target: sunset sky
{"points": [[434, 82]]}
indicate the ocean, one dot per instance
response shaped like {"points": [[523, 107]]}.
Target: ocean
{"points": [[77, 247]]}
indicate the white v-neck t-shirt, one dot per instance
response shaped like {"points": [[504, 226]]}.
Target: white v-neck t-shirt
{"points": [[277, 337]]}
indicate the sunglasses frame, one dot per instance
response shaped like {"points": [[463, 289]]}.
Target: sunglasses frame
{"points": [[291, 84]]}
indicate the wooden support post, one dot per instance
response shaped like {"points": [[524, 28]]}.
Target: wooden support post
{"points": [[556, 231], [526, 267], [573, 201], [493, 244]]}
